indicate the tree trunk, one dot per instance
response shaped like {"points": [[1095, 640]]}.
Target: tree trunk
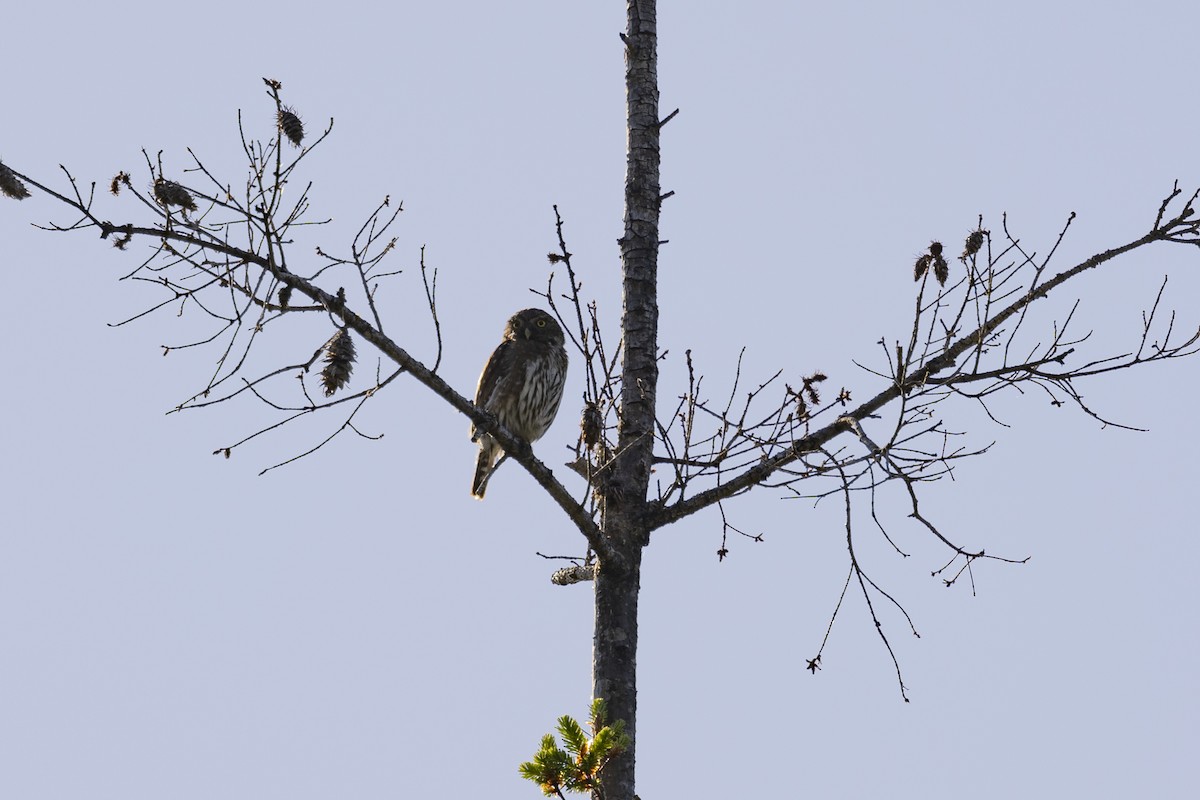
{"points": [[614, 658]]}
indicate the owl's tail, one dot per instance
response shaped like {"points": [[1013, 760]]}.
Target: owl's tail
{"points": [[483, 468]]}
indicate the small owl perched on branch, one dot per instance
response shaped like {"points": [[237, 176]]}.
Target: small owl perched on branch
{"points": [[522, 384]]}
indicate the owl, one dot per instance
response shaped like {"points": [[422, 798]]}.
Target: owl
{"points": [[522, 384]]}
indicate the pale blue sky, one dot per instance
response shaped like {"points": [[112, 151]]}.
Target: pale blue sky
{"points": [[357, 626]]}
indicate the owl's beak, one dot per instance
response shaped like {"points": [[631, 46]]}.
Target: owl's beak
{"points": [[528, 333]]}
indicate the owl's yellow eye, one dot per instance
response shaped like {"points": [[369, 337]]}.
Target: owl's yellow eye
{"points": [[541, 323]]}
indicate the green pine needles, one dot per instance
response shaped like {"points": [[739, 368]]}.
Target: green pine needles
{"points": [[577, 768]]}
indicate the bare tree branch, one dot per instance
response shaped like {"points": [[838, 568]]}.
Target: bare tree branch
{"points": [[939, 366]]}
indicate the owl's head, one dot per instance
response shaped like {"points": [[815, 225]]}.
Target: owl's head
{"points": [[535, 325]]}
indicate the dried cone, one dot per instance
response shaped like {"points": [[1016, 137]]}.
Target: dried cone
{"points": [[170, 193], [922, 264], [339, 362], [11, 185], [974, 242], [291, 126], [941, 270], [591, 425]]}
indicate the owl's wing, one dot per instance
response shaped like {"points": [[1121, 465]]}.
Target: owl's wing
{"points": [[498, 368]]}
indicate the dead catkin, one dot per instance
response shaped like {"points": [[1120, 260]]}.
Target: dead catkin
{"points": [[922, 264], [934, 259], [170, 193], [291, 126], [973, 243], [119, 180], [11, 185], [591, 425], [339, 361], [941, 270]]}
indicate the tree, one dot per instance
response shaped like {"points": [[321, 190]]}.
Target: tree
{"points": [[951, 335]]}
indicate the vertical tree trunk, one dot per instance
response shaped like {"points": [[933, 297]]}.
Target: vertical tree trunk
{"points": [[614, 659]]}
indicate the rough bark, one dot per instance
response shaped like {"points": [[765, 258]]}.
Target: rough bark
{"points": [[614, 660], [626, 531]]}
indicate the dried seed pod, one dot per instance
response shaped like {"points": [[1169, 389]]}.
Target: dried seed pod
{"points": [[922, 264], [935, 249], [941, 270], [973, 243], [810, 387], [339, 361], [120, 178], [801, 407], [11, 185], [591, 425], [170, 193], [290, 125]]}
